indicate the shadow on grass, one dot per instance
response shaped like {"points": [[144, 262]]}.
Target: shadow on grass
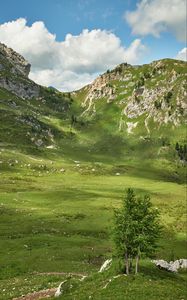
{"points": [[154, 273]]}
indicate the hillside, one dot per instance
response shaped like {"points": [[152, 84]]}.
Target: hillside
{"points": [[138, 112], [65, 161], [128, 110], [156, 91]]}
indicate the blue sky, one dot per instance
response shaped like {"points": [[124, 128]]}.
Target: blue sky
{"points": [[64, 16], [159, 35]]}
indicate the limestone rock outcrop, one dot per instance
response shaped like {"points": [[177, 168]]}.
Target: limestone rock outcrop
{"points": [[153, 92], [19, 64], [172, 266], [14, 71]]}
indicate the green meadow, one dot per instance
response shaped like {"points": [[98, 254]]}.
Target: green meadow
{"points": [[61, 222]]}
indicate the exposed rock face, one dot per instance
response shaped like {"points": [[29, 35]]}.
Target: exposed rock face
{"points": [[101, 87], [23, 89], [149, 101], [154, 92], [19, 64], [14, 71]]}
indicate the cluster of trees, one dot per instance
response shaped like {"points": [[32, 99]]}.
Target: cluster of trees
{"points": [[165, 141], [156, 70], [147, 75], [57, 101], [168, 97], [136, 229], [137, 99], [181, 151], [140, 82], [120, 68], [73, 120], [157, 104]]}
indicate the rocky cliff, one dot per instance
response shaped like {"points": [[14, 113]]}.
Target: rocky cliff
{"points": [[14, 71], [154, 91], [18, 63]]}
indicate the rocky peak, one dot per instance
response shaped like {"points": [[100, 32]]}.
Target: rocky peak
{"points": [[18, 62], [14, 71], [102, 87], [154, 91]]}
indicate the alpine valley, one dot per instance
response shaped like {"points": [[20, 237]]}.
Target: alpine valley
{"points": [[65, 162]]}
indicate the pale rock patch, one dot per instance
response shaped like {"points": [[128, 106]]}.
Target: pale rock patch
{"points": [[172, 266], [59, 290], [131, 126], [106, 265]]}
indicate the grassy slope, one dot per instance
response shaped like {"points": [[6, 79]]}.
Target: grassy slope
{"points": [[150, 283], [54, 221], [62, 222]]}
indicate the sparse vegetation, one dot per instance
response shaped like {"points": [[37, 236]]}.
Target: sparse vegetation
{"points": [[140, 83]]}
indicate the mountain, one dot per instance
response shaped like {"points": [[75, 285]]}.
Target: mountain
{"points": [[155, 91], [25, 106], [127, 110], [140, 108]]}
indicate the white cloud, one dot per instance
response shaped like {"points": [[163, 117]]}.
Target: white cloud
{"points": [[155, 16], [182, 54], [72, 63], [65, 81]]}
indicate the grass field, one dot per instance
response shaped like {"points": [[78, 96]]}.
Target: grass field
{"points": [[61, 222]]}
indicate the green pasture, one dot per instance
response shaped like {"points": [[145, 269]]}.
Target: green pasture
{"points": [[53, 222]]}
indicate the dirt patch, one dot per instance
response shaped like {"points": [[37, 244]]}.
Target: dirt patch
{"points": [[38, 295], [49, 292], [61, 273]]}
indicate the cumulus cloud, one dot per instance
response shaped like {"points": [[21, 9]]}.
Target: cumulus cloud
{"points": [[68, 64], [182, 54], [155, 16], [63, 80]]}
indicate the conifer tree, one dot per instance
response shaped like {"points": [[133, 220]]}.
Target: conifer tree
{"points": [[136, 229]]}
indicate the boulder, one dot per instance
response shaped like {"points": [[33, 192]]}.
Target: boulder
{"points": [[59, 290], [161, 264], [172, 266], [183, 263], [106, 265]]}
